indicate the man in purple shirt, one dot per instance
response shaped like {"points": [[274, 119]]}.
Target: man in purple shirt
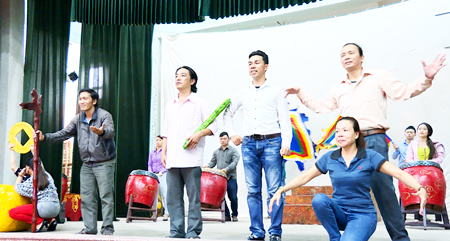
{"points": [[183, 115]]}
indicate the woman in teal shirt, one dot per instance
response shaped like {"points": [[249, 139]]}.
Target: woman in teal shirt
{"points": [[351, 208]]}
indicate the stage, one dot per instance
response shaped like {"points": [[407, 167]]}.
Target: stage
{"points": [[148, 230]]}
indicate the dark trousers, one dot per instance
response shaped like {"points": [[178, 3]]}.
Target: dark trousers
{"points": [[176, 179], [232, 189], [383, 189]]}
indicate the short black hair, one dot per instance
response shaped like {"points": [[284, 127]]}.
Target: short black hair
{"points": [[411, 128], [224, 134], [94, 94], [357, 46], [192, 74], [260, 53]]}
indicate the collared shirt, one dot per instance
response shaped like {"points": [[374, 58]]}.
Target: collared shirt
{"points": [[400, 153], [265, 112], [366, 100], [154, 162], [181, 121], [351, 185], [226, 159]]}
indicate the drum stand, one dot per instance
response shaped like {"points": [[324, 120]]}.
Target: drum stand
{"points": [[221, 209], [443, 214], [153, 209]]}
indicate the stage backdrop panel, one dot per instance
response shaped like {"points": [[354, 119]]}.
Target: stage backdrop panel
{"points": [[395, 38]]}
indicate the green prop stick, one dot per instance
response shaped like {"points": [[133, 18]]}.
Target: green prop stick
{"points": [[211, 118]]}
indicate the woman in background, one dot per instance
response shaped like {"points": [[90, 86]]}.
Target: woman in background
{"points": [[423, 148], [155, 166]]}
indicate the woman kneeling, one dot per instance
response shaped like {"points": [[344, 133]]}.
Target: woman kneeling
{"points": [[351, 166], [48, 205]]}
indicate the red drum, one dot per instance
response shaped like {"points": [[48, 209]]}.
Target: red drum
{"points": [[143, 185], [213, 188], [431, 177]]}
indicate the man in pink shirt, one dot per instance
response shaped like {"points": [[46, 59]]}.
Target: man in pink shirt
{"points": [[362, 95], [183, 115]]}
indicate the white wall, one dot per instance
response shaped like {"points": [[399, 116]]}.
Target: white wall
{"points": [[11, 79], [394, 38]]}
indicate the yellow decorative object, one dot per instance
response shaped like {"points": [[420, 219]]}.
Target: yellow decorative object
{"points": [[15, 130], [10, 199]]}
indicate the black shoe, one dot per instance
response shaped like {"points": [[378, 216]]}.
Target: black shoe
{"points": [[228, 219], [254, 237], [52, 226], [275, 237], [43, 224]]}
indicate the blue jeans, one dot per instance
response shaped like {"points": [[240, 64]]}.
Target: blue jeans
{"points": [[384, 192], [356, 226], [232, 189], [256, 155]]}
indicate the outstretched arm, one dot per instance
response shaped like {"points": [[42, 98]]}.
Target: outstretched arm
{"points": [[325, 105], [407, 179], [296, 182]]}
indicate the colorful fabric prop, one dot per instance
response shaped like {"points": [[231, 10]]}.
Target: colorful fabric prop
{"points": [[389, 140], [211, 118], [328, 141], [302, 147]]}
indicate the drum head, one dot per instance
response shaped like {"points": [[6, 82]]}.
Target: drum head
{"points": [[144, 173]]}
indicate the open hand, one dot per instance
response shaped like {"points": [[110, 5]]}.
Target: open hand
{"points": [[422, 193], [96, 130], [292, 91], [276, 197], [433, 68]]}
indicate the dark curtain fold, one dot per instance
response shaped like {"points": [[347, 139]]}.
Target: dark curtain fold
{"points": [[116, 61], [229, 8], [135, 12], [48, 25]]}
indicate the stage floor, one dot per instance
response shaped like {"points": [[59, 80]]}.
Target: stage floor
{"points": [[149, 230]]}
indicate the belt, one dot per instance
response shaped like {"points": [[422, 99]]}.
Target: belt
{"points": [[262, 137], [373, 131]]}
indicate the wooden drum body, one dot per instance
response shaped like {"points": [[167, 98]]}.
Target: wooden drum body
{"points": [[143, 185], [431, 177], [213, 188]]}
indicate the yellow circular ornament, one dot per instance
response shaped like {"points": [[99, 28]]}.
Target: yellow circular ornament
{"points": [[15, 130]]}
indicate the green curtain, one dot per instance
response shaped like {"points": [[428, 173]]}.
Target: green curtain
{"points": [[226, 8], [116, 61], [135, 12], [48, 24]]}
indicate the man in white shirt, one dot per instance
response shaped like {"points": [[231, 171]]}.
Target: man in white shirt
{"points": [[267, 137]]}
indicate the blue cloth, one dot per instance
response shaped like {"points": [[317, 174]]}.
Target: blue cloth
{"points": [[357, 226], [384, 192], [232, 189], [351, 185], [256, 155], [401, 153]]}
